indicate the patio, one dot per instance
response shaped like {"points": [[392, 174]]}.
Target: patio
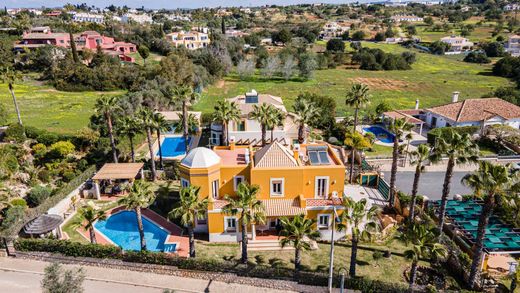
{"points": [[112, 179]]}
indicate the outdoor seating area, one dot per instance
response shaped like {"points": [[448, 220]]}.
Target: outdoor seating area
{"points": [[113, 179], [464, 215]]}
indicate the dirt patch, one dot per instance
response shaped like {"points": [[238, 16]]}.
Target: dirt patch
{"points": [[220, 84], [383, 83]]}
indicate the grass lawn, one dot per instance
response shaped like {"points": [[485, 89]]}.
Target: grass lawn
{"points": [[431, 80], [379, 150], [44, 107], [385, 269], [152, 59]]}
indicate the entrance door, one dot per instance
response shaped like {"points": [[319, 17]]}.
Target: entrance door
{"points": [[434, 122]]}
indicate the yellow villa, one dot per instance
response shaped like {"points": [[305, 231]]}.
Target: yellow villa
{"points": [[307, 179]]}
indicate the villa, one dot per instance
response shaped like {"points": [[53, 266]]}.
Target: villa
{"points": [[309, 180], [406, 18], [88, 17], [513, 46], [138, 18], [458, 44], [191, 40], [247, 130], [333, 29]]}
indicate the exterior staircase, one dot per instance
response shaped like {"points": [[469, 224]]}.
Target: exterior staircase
{"points": [[266, 245]]}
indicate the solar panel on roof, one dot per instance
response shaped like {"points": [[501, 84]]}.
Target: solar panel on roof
{"points": [[313, 157], [324, 159]]}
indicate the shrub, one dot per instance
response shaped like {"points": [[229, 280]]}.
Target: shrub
{"points": [[19, 202], [68, 248], [335, 45], [48, 138], [476, 57], [15, 132], [13, 215], [68, 175], [44, 176], [358, 36], [61, 149], [39, 150], [37, 195]]}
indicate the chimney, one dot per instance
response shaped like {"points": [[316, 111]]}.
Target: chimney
{"points": [[455, 97], [417, 104], [231, 143], [296, 151]]}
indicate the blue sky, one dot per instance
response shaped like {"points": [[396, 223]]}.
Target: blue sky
{"points": [[159, 3]]}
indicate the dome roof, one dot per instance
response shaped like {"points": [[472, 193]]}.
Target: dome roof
{"points": [[200, 157]]}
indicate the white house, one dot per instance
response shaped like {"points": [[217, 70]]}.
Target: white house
{"points": [[458, 44], [191, 40], [406, 18], [512, 7], [473, 112], [513, 46], [333, 29], [247, 130], [88, 17], [139, 18]]}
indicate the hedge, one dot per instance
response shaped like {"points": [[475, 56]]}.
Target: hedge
{"points": [[437, 132], [76, 249]]}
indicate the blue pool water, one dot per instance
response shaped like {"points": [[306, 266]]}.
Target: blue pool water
{"points": [[173, 146], [121, 228], [381, 134]]}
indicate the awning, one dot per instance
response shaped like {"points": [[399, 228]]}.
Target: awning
{"points": [[43, 224], [118, 171], [283, 207]]}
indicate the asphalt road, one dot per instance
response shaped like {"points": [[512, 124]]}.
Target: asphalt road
{"points": [[430, 183]]}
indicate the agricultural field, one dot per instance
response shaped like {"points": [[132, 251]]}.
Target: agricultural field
{"points": [[431, 80], [44, 107]]}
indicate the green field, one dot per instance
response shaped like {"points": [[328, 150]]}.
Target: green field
{"points": [[431, 80], [44, 107]]}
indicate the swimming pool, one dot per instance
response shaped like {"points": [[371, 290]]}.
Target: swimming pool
{"points": [[121, 228], [381, 134], [173, 146]]}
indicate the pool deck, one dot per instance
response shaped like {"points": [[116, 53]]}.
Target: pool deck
{"points": [[174, 230]]}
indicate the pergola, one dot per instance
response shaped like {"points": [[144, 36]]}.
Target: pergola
{"points": [[119, 171], [403, 115]]}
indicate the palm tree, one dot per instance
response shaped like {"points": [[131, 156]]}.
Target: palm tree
{"points": [[88, 215], [307, 113], [460, 149], [357, 97], [146, 120], [189, 210], [356, 141], [11, 76], [398, 127], [424, 245], [276, 118], [193, 124], [106, 105], [186, 97], [129, 127], [263, 115], [140, 197], [418, 157], [160, 124], [248, 207], [297, 232], [489, 182], [355, 213], [226, 112]]}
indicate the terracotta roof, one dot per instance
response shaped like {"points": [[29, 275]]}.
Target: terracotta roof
{"points": [[400, 114], [323, 202], [274, 155], [232, 157], [283, 207], [219, 203], [118, 171], [477, 110]]}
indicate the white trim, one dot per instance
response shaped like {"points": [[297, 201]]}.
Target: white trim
{"points": [[185, 181], [271, 192], [226, 225], [318, 221], [316, 179], [235, 185]]}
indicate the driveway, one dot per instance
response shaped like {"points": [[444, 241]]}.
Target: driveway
{"points": [[430, 183]]}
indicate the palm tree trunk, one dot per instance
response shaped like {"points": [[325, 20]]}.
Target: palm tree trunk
{"points": [[150, 149], [160, 149], [300, 133], [11, 90], [140, 227], [185, 123], [132, 151], [415, 187], [272, 135], [192, 241], [92, 236], [225, 134], [353, 255], [111, 135], [352, 162], [483, 222], [244, 243], [297, 263], [356, 111], [445, 192], [263, 134], [393, 173], [413, 274]]}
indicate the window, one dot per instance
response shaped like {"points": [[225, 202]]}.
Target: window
{"points": [[237, 180], [203, 221], [323, 221], [321, 186], [214, 188], [241, 125], [230, 224], [277, 186], [184, 183]]}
